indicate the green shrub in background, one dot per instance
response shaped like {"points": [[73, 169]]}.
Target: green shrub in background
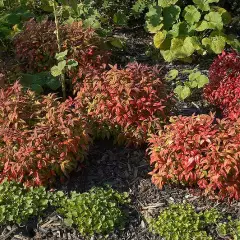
{"points": [[95, 212], [18, 204], [197, 28]]}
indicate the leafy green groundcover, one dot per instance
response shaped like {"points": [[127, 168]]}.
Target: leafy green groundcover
{"points": [[182, 222], [98, 211]]}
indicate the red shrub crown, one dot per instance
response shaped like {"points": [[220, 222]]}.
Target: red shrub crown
{"points": [[223, 89], [133, 99], [39, 137], [36, 46], [196, 151]]}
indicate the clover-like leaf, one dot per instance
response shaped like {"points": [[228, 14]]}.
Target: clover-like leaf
{"points": [[60, 56], [172, 74]]}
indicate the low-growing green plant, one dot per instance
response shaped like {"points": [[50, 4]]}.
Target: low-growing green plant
{"points": [[182, 222], [184, 89], [40, 81], [198, 28], [229, 229], [95, 212], [18, 204]]}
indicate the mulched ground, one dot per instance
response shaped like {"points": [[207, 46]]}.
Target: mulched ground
{"points": [[126, 169]]}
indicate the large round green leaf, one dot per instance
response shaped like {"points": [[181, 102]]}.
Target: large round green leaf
{"points": [[166, 3], [216, 43], [159, 38], [154, 19], [170, 16], [215, 19], [191, 14]]}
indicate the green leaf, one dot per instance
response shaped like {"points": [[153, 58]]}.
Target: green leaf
{"points": [[54, 84], [216, 43], [154, 19], [170, 16], [181, 29], [171, 75], [120, 18], [116, 42], [36, 88], [56, 71], [71, 63], [203, 25], [61, 65], [60, 56], [166, 3], [215, 19], [202, 81], [185, 92], [204, 4], [159, 38], [193, 76], [191, 14], [226, 16]]}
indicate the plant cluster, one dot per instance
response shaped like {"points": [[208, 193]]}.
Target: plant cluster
{"points": [[40, 138], [132, 101], [182, 222], [36, 46], [229, 229], [196, 28], [11, 21], [98, 211], [195, 151], [184, 89], [39, 82], [18, 204], [223, 89]]}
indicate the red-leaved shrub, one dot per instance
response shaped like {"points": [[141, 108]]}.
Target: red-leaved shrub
{"points": [[223, 89], [40, 137], [132, 102], [36, 46], [195, 151]]}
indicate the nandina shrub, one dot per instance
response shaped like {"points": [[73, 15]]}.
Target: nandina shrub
{"points": [[40, 137], [195, 151], [223, 89], [36, 46], [130, 102]]}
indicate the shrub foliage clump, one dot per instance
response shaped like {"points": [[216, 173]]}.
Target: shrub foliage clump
{"points": [[223, 89], [132, 101], [36, 45], [195, 151], [40, 137]]}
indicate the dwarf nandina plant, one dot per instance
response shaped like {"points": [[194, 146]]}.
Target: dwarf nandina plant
{"points": [[223, 89], [132, 101], [40, 137], [36, 46], [195, 151]]}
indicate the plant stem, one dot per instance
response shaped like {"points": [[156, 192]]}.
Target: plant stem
{"points": [[62, 76]]}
